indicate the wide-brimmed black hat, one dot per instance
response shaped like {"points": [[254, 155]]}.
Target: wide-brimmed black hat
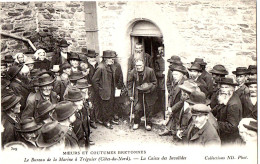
{"points": [[240, 71], [43, 108], [199, 109], [219, 69], [252, 69], [227, 80], [174, 58], [109, 54], [145, 87], [76, 76], [9, 101], [200, 61], [189, 86], [196, 67], [63, 110], [179, 68], [92, 54], [251, 126], [45, 78], [13, 71], [73, 94], [251, 81], [63, 43], [83, 83], [29, 125], [74, 56], [51, 133], [198, 97], [8, 59]]}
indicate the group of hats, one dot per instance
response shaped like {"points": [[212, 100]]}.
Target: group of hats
{"points": [[196, 65]]}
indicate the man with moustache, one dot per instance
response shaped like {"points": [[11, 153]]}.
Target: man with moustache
{"points": [[249, 101], [45, 92], [241, 77], [228, 111]]}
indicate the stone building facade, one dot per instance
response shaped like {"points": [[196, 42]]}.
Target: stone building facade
{"points": [[221, 32]]}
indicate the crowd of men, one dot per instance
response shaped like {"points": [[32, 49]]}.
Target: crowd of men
{"points": [[55, 104]]}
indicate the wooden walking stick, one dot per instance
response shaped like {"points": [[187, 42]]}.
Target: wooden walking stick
{"points": [[144, 111], [132, 104]]}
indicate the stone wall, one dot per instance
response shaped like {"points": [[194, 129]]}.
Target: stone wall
{"points": [[221, 32], [44, 23]]}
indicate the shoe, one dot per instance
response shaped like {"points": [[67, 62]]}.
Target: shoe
{"points": [[136, 126], [100, 122], [148, 128], [165, 133], [91, 142], [93, 125], [115, 122], [108, 125]]}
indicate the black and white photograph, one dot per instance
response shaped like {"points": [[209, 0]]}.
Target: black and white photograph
{"points": [[129, 81]]}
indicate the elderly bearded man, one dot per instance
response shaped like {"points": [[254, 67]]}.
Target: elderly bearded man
{"points": [[228, 112], [144, 81]]}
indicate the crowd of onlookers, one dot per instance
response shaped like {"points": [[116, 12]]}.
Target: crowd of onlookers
{"points": [[55, 104]]}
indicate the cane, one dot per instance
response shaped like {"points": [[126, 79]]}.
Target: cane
{"points": [[132, 104], [144, 111]]}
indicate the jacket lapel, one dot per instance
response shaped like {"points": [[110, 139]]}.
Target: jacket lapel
{"points": [[197, 135]]}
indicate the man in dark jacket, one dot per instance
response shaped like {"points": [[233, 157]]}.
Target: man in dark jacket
{"points": [[18, 84], [104, 84], [228, 111], [45, 83], [205, 75], [10, 107], [241, 77], [62, 55], [144, 81], [249, 101]]}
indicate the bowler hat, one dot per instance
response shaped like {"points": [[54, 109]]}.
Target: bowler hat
{"points": [[240, 71], [251, 81], [109, 54], [251, 126], [227, 80], [65, 66], [83, 83], [252, 69], [179, 68], [73, 94], [196, 67], [92, 54], [28, 125], [198, 97], [63, 43], [200, 61], [199, 109], [45, 78], [8, 59], [189, 86], [63, 110], [51, 133], [43, 108], [219, 69], [76, 76], [145, 87], [74, 56], [174, 58], [13, 71], [9, 101]]}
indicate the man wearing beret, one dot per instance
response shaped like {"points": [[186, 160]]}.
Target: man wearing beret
{"points": [[103, 82], [143, 81], [249, 101], [202, 132], [228, 111], [241, 77], [45, 83]]}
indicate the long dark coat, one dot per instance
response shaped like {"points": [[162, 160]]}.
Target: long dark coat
{"points": [[45, 64], [249, 110], [149, 77], [57, 59], [209, 82], [175, 93]]}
